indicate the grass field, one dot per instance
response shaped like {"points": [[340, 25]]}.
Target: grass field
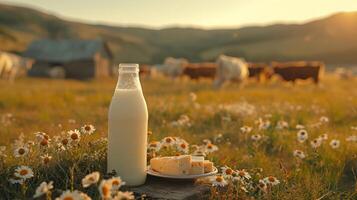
{"points": [[57, 106]]}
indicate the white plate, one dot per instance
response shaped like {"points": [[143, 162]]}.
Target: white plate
{"points": [[154, 173]]}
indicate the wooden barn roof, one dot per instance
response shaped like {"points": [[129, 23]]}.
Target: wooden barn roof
{"points": [[65, 50]]}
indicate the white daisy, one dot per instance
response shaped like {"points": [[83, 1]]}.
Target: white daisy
{"points": [[262, 185], [43, 188], [324, 136], [74, 135], [154, 146], [299, 126], [16, 180], [335, 144], [23, 172], [282, 125], [168, 141], [299, 154], [316, 143], [41, 135], [271, 180], [21, 151], [46, 159], [324, 119], [68, 195], [352, 138], [246, 129], [210, 148], [256, 137], [302, 135], [88, 129], [218, 181], [105, 189], [90, 179], [243, 174], [183, 146], [227, 172], [116, 183]]}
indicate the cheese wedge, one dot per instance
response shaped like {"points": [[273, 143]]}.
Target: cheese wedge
{"points": [[172, 165], [208, 166]]}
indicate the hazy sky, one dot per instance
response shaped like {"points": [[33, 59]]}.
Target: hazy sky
{"points": [[203, 13]]}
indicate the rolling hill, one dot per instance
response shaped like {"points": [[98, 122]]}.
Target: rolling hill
{"points": [[331, 39]]}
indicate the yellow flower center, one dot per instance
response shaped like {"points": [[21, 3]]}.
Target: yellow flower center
{"points": [[74, 136], [64, 141], [23, 172], [115, 182], [271, 179], [21, 151], [68, 198], [183, 145], [168, 140], [46, 160], [44, 142], [241, 173], [87, 128], [219, 179], [229, 171], [210, 146]]}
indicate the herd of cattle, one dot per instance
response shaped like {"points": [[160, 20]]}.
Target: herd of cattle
{"points": [[227, 68]]}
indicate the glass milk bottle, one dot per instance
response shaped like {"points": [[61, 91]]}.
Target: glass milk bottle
{"points": [[127, 127]]}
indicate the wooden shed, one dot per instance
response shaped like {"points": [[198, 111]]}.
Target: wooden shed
{"points": [[77, 59]]}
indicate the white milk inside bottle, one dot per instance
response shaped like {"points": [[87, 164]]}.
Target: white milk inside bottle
{"points": [[127, 128]]}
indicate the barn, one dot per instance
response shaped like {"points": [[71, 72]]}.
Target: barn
{"points": [[76, 59]]}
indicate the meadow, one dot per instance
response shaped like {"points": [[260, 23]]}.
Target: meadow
{"points": [[257, 127]]}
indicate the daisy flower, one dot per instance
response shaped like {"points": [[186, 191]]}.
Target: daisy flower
{"points": [[243, 174], [154, 146], [21, 151], [324, 119], [262, 185], [68, 195], [324, 136], [299, 126], [316, 143], [282, 124], [124, 196], [302, 135], [271, 180], [335, 144], [227, 172], [16, 180], [207, 141], [246, 129], [105, 189], [116, 183], [41, 135], [46, 159], [211, 148], [256, 137], [168, 141], [43, 188], [299, 154], [88, 129], [23, 172], [90, 179], [183, 146], [74, 135], [44, 142], [352, 138], [218, 181]]}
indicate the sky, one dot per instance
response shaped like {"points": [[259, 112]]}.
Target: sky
{"points": [[196, 13]]}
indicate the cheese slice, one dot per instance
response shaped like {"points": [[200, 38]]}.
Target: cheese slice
{"points": [[172, 165], [208, 166]]}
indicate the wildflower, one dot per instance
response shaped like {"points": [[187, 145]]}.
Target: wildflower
{"points": [[207, 141], [168, 141], [16, 180], [324, 136], [282, 124], [124, 196], [105, 189], [154, 146], [88, 129], [302, 135], [74, 135], [246, 129], [183, 146], [263, 125], [243, 174], [316, 143], [116, 183], [46, 159], [262, 185], [41, 135], [324, 119], [218, 181], [299, 154], [256, 137], [43, 188], [2, 150], [23, 172], [90, 179], [21, 151], [68, 195], [352, 138], [227, 172], [299, 126], [335, 144], [44, 142], [271, 180], [210, 148]]}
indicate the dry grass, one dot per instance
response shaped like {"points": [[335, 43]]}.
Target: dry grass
{"points": [[42, 104]]}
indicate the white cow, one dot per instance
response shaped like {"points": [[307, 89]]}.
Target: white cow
{"points": [[174, 67], [11, 65], [230, 69]]}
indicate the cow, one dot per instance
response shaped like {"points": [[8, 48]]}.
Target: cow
{"points": [[200, 70], [292, 71], [259, 71], [173, 67], [230, 69], [11, 65]]}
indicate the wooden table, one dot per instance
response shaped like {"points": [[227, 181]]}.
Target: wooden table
{"points": [[160, 188]]}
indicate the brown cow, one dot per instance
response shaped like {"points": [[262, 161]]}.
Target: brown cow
{"points": [[291, 71], [259, 71], [200, 70]]}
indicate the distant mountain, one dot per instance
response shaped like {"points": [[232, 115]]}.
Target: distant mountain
{"points": [[332, 39]]}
